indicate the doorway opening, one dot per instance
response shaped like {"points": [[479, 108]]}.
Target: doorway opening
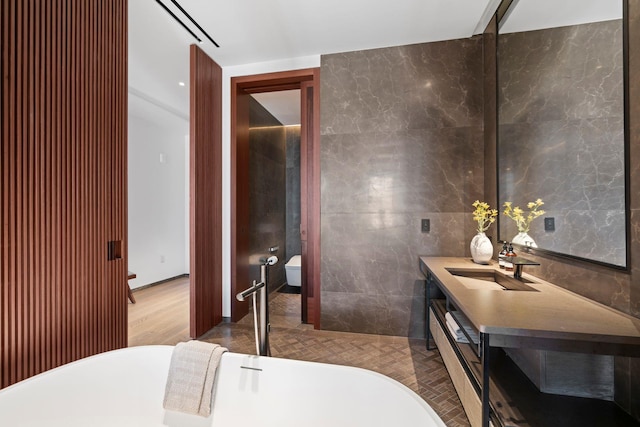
{"points": [[243, 256]]}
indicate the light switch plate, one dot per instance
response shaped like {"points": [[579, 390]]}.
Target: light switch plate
{"points": [[550, 224]]}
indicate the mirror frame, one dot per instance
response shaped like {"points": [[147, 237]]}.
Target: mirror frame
{"points": [[504, 9]]}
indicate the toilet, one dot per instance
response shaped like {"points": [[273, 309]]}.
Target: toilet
{"points": [[293, 270]]}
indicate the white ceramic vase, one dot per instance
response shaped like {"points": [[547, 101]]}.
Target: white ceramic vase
{"points": [[525, 240], [481, 249]]}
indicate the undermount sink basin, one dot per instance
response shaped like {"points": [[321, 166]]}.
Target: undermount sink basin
{"points": [[476, 278]]}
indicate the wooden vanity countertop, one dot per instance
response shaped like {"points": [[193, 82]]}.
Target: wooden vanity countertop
{"points": [[553, 312]]}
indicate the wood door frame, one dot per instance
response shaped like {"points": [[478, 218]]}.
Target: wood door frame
{"points": [[270, 82]]}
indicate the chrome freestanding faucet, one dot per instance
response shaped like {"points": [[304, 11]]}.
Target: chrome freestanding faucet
{"points": [[262, 327]]}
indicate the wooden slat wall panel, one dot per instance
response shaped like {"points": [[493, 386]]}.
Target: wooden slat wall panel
{"points": [[205, 193], [63, 179]]}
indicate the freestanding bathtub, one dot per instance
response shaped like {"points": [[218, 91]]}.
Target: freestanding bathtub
{"points": [[125, 388]]}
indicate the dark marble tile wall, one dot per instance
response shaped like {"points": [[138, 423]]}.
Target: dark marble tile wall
{"points": [[634, 153], [402, 139], [632, 374], [267, 185], [561, 135], [293, 246], [564, 73]]}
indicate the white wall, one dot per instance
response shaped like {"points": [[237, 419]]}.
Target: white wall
{"points": [[187, 246], [158, 202], [227, 74]]}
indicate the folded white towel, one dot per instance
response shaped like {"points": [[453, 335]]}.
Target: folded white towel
{"points": [[458, 329], [453, 324], [191, 377], [458, 336]]}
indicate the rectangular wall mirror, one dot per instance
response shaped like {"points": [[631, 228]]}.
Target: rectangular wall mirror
{"points": [[561, 126]]}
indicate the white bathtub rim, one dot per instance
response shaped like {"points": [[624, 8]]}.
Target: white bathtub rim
{"points": [[81, 361], [163, 354]]}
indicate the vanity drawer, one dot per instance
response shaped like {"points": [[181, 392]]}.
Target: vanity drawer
{"points": [[466, 392]]}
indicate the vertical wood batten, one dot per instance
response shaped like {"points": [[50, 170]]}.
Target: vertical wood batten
{"points": [[3, 168], [40, 166], [62, 182], [34, 230], [21, 257]]}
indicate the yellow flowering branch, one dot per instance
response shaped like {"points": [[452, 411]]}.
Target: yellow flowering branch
{"points": [[518, 215], [483, 215]]}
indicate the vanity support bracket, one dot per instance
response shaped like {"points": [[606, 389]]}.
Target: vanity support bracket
{"points": [[432, 292], [485, 351], [427, 296]]}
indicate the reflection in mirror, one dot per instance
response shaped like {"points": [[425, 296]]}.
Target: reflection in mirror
{"points": [[561, 125]]}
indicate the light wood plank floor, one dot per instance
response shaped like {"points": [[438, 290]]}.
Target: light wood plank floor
{"points": [[161, 316]]}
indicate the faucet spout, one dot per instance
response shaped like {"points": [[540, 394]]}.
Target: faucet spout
{"points": [[518, 263]]}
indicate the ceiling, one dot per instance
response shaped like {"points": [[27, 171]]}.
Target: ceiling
{"points": [[283, 105], [251, 31], [529, 15]]}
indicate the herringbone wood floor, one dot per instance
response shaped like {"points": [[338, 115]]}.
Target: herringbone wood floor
{"points": [[406, 360]]}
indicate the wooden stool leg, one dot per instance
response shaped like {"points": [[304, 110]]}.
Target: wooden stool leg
{"points": [[131, 298]]}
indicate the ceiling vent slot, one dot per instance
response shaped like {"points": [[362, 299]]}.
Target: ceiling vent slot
{"points": [[185, 13]]}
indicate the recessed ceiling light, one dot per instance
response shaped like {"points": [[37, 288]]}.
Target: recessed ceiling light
{"points": [[180, 83]]}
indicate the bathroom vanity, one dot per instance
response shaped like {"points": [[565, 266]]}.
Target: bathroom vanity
{"points": [[549, 331]]}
